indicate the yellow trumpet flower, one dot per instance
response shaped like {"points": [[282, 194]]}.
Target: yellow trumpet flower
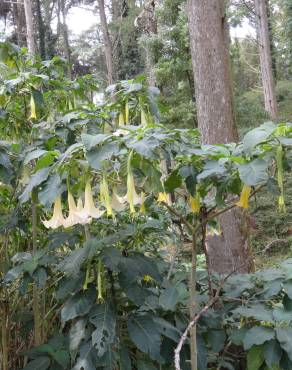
{"points": [[57, 219], [142, 208], [244, 197], [195, 203], [162, 197], [89, 207], [144, 120]]}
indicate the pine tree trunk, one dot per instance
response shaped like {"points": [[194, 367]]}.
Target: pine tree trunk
{"points": [[107, 43], [209, 38], [29, 27], [266, 59], [271, 38]]}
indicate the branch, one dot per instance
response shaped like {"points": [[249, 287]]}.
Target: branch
{"points": [[196, 318]]}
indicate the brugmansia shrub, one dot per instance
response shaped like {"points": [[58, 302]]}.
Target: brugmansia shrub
{"points": [[97, 201]]}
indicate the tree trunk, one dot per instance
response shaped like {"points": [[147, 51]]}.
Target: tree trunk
{"points": [[19, 22], [63, 29], [265, 59], [147, 21], [107, 43], [209, 38], [272, 43], [29, 27], [41, 29]]}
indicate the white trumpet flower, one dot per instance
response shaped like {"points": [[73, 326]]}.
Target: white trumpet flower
{"points": [[57, 219], [117, 202], [89, 206], [76, 215], [132, 197]]}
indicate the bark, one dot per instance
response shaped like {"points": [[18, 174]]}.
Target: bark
{"points": [[63, 28], [41, 30], [147, 22], [19, 22], [272, 43], [107, 43], [29, 27], [266, 59], [209, 39]]}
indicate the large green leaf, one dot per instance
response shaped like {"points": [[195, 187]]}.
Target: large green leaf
{"points": [[258, 311], [51, 190], [35, 180], [103, 318], [145, 147], [91, 141], [272, 353], [169, 298], [257, 136], [257, 336], [254, 173], [145, 334], [255, 358], [284, 336], [103, 152], [40, 363], [87, 358], [78, 306]]}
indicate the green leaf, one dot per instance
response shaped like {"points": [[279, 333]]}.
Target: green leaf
{"points": [[255, 358], [216, 339], [257, 136], [144, 333], [77, 306], [51, 190], [91, 141], [40, 363], [212, 169], [145, 147], [169, 298], [103, 318], [272, 353], [167, 329], [35, 180], [87, 359], [254, 173], [62, 358], [125, 359], [257, 336], [258, 311], [146, 365], [173, 181], [280, 314], [284, 336], [105, 152], [34, 155]]}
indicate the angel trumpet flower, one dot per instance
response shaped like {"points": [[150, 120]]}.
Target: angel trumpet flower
{"points": [[132, 197], [57, 219], [117, 202], [194, 203], [75, 216], [244, 197], [105, 197], [89, 207]]}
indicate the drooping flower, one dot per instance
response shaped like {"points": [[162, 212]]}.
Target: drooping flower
{"points": [[144, 120], [195, 203], [117, 203], [32, 108], [105, 197], [132, 197], [127, 113], [280, 177], [76, 215], [162, 197], [121, 119], [89, 207], [57, 219], [142, 208], [244, 197]]}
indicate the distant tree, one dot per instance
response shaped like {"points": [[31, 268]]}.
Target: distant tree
{"points": [[266, 58]]}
